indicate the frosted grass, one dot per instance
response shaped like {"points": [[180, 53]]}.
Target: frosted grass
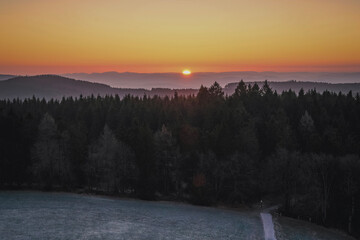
{"points": [[36, 215]]}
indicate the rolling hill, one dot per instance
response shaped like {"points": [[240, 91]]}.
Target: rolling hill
{"points": [[195, 80], [53, 86], [306, 86], [5, 77]]}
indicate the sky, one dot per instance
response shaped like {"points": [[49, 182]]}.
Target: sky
{"points": [[64, 36]]}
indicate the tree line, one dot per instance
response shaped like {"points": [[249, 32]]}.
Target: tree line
{"points": [[299, 148]]}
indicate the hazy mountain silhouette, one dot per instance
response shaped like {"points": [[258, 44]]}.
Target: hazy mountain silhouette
{"points": [[53, 86], [306, 86], [49, 86], [135, 80], [5, 77], [177, 80]]}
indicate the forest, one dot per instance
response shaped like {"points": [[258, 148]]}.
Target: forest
{"points": [[300, 149]]}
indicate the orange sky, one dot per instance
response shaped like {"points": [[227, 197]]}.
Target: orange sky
{"points": [[60, 36]]}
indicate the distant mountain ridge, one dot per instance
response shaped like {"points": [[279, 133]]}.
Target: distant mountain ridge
{"points": [[56, 87], [53, 86], [296, 86], [177, 80], [5, 77]]}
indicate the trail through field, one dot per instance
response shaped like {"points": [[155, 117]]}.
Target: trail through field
{"points": [[268, 224]]}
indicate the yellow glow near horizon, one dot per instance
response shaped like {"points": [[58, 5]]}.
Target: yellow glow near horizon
{"points": [[186, 72], [58, 36]]}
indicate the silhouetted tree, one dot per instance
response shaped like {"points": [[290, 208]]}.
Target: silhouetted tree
{"points": [[51, 165]]}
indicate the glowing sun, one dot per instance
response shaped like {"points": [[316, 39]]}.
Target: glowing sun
{"points": [[186, 72]]}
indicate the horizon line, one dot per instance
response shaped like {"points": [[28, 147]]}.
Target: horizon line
{"points": [[179, 73], [224, 85]]}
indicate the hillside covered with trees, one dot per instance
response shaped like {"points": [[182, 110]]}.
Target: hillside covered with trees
{"points": [[57, 87], [302, 148], [296, 86]]}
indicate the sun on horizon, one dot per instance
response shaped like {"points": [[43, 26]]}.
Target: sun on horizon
{"points": [[186, 72]]}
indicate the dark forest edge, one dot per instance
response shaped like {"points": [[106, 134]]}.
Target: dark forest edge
{"points": [[205, 149], [57, 87]]}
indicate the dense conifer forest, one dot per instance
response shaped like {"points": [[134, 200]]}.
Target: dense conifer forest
{"points": [[301, 149]]}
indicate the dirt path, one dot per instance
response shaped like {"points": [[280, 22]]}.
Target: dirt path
{"points": [[268, 224]]}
